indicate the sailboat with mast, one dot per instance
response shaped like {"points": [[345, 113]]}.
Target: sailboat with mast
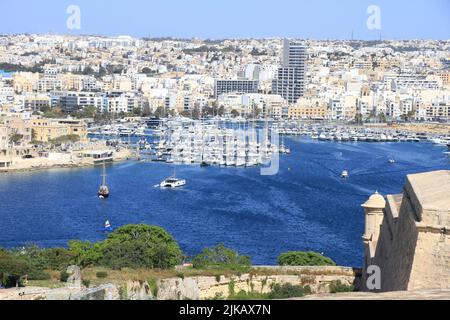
{"points": [[103, 191], [173, 181]]}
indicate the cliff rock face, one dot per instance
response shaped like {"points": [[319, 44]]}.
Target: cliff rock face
{"points": [[179, 289], [195, 288]]}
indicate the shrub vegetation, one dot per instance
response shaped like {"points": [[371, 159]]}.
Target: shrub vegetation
{"points": [[102, 274], [221, 257], [338, 286], [140, 246], [131, 246], [13, 268], [299, 258], [71, 138], [279, 291], [287, 290]]}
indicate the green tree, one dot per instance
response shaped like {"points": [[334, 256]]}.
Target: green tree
{"points": [[86, 112], [147, 71], [52, 113], [221, 257], [410, 115], [72, 138], [137, 112], [160, 112], [57, 258], [371, 116], [299, 258], [381, 117], [15, 138], [12, 269], [140, 246], [85, 253], [39, 260], [234, 113], [359, 118]]}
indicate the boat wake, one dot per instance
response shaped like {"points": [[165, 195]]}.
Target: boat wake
{"points": [[126, 166]]}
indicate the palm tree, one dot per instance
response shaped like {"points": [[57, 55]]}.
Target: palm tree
{"points": [[358, 118], [381, 117], [15, 138]]}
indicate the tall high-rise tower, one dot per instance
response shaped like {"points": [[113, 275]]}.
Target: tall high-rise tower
{"points": [[290, 78]]}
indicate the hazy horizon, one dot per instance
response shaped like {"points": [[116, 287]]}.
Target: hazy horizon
{"points": [[212, 39], [233, 19]]}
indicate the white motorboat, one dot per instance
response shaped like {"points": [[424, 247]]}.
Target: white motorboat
{"points": [[438, 141], [345, 174]]}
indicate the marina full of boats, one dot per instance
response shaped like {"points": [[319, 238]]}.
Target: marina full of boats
{"points": [[353, 133], [239, 143], [119, 130], [207, 144]]}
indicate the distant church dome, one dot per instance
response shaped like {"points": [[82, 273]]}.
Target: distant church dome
{"points": [[376, 201]]}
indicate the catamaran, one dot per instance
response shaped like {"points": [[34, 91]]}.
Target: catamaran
{"points": [[173, 182]]}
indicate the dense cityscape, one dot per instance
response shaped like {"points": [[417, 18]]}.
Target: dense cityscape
{"points": [[337, 80], [61, 79]]}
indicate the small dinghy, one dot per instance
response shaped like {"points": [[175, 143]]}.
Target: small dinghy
{"points": [[108, 227]]}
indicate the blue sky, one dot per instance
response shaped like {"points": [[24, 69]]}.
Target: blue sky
{"points": [[314, 19]]}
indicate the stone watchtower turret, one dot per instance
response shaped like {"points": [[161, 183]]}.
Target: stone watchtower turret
{"points": [[373, 209], [374, 212]]}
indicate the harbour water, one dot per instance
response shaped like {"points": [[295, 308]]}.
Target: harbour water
{"points": [[306, 206]]}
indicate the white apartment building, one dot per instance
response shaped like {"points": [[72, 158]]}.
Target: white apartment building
{"points": [[118, 102], [6, 95], [49, 81], [336, 107]]}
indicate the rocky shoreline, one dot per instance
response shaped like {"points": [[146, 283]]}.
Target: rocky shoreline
{"points": [[41, 164]]}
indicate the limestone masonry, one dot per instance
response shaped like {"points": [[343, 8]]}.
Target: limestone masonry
{"points": [[408, 235]]}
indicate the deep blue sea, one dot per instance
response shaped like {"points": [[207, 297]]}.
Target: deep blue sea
{"points": [[306, 206]]}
